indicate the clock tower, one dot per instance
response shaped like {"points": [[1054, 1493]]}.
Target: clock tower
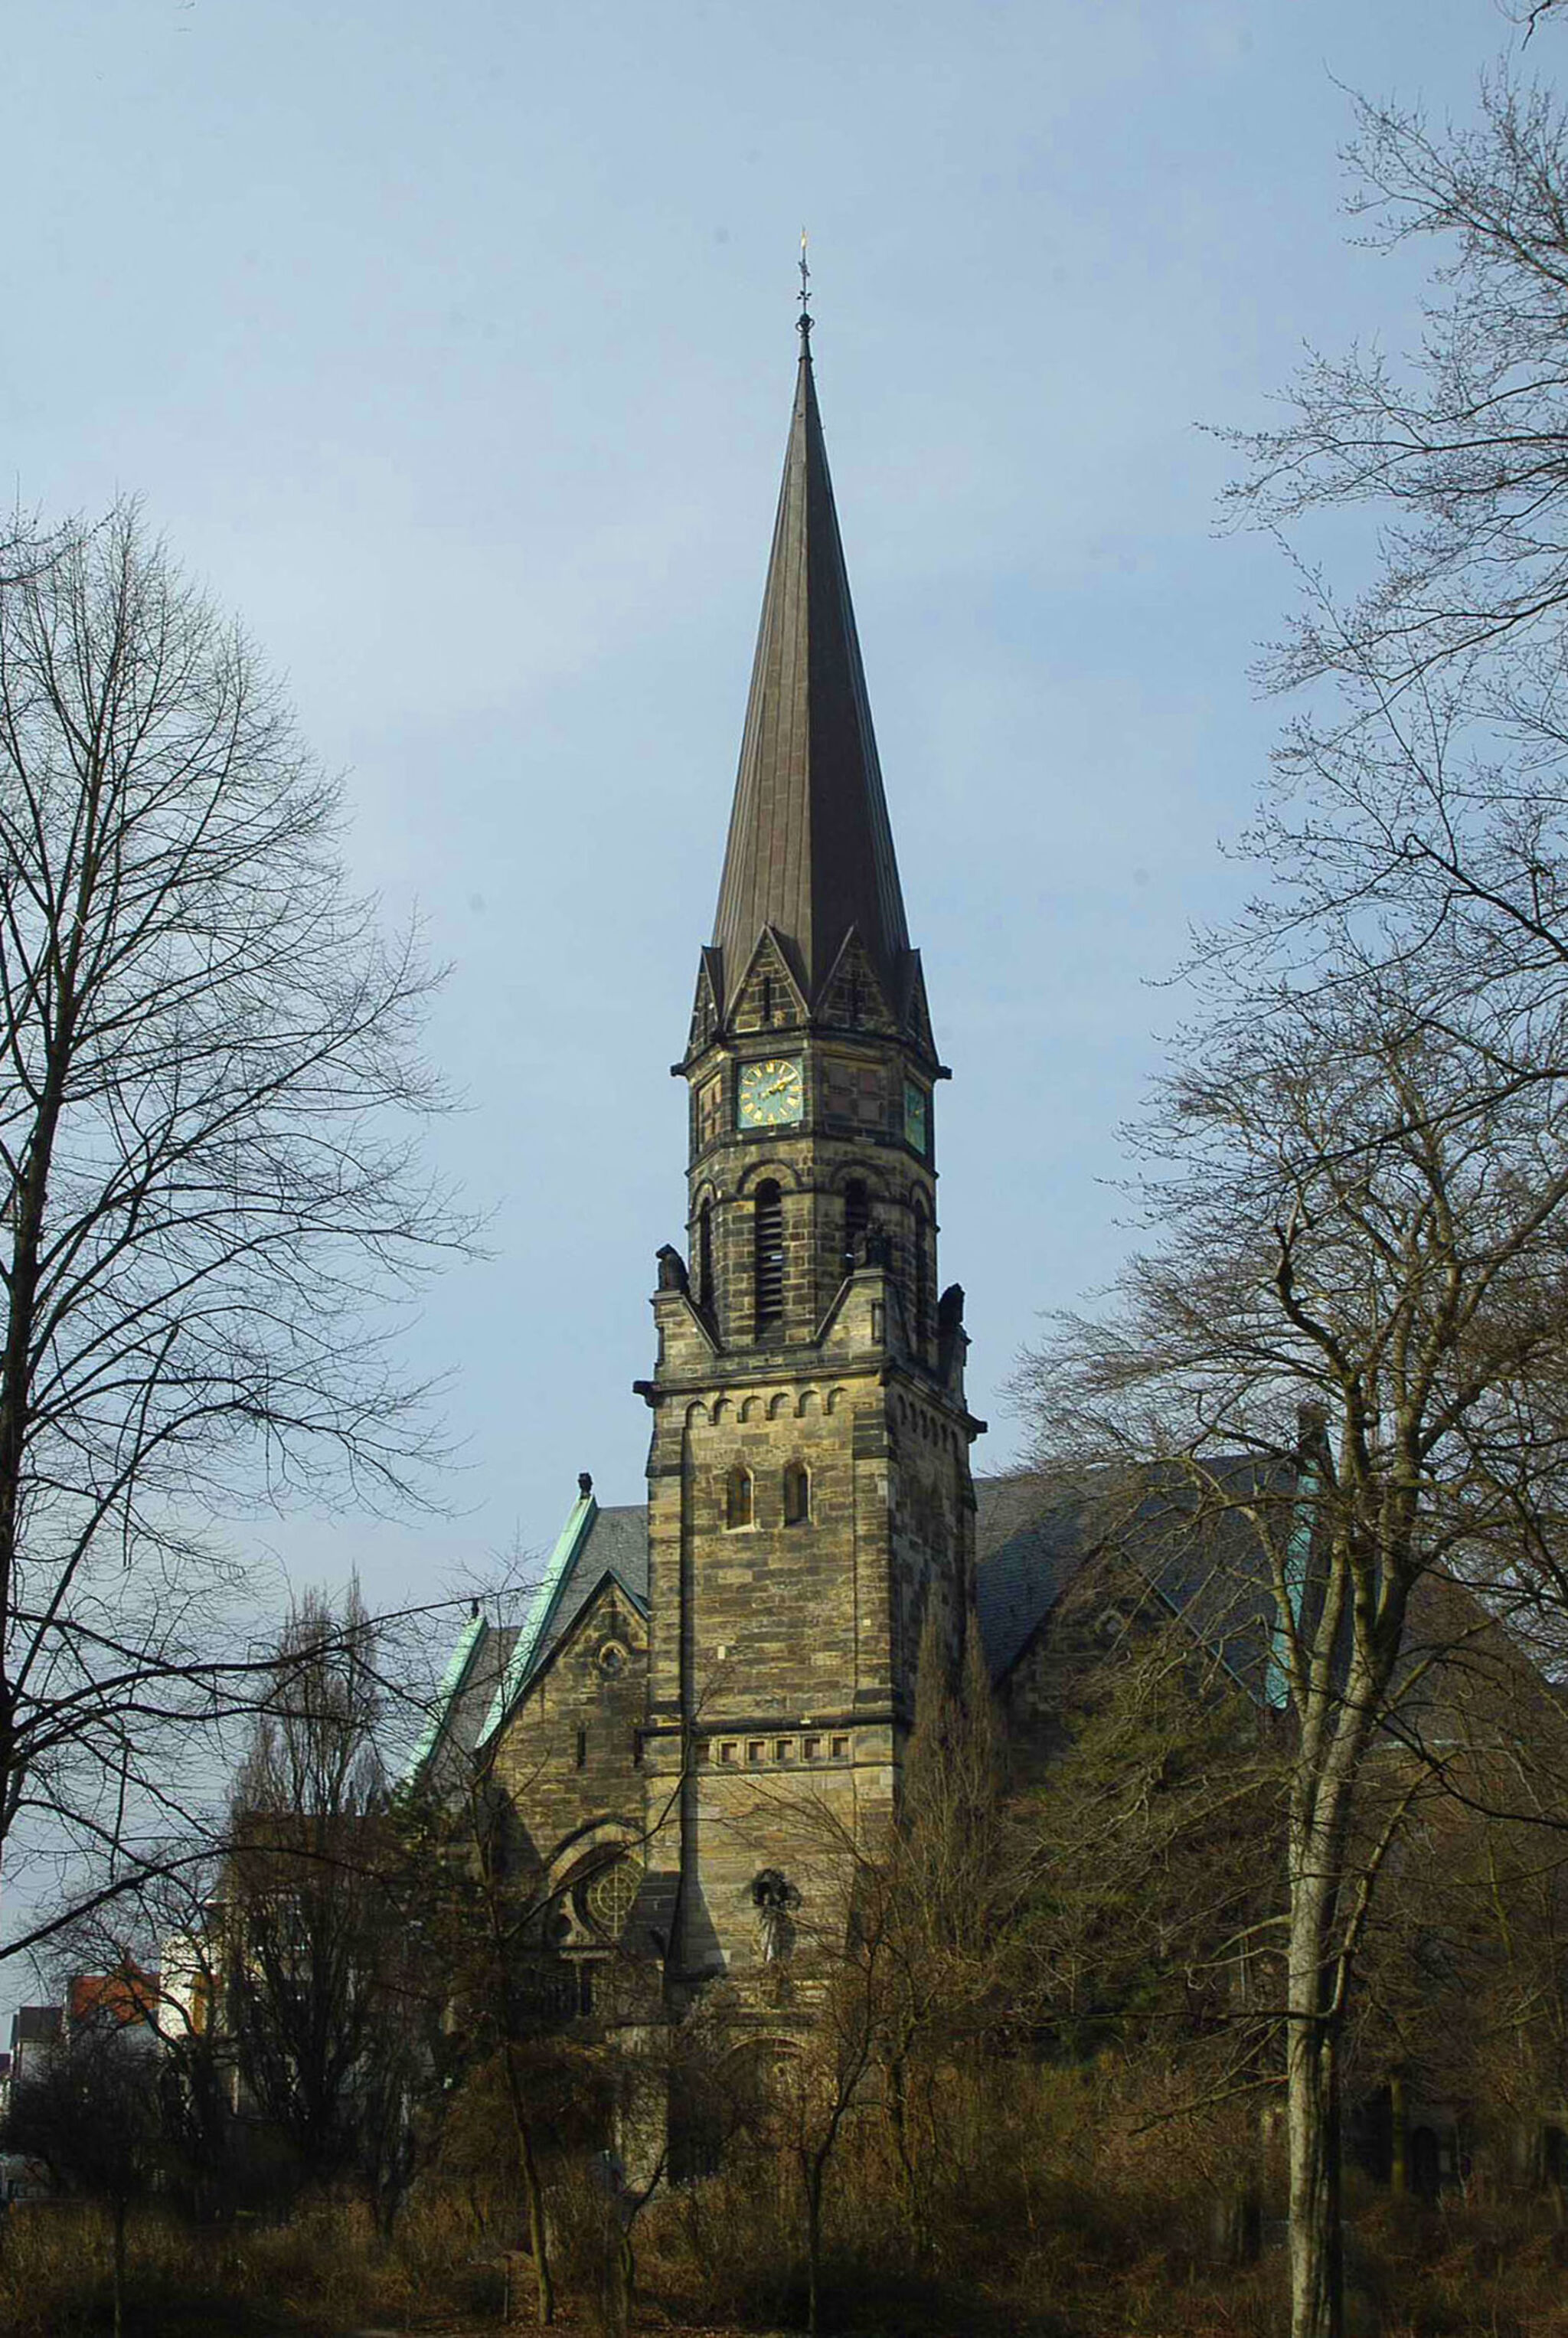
{"points": [[809, 1497]]}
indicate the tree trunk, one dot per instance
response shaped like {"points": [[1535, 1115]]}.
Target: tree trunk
{"points": [[1238, 2222], [1318, 1833], [813, 2250], [1321, 1948], [1399, 2138], [1317, 2259], [533, 2192], [908, 2166], [119, 2268]]}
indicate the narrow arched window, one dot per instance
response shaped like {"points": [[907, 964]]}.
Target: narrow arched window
{"points": [[705, 1291], [767, 998], [768, 1257], [857, 1223], [737, 1498], [797, 1493], [922, 1275]]}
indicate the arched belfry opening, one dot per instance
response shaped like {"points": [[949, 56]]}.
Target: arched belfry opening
{"points": [[856, 1221], [768, 1257]]}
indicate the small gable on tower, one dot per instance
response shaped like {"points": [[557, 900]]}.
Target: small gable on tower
{"points": [[769, 993], [852, 998]]}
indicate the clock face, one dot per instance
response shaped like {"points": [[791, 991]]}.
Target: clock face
{"points": [[771, 1094], [917, 1106]]}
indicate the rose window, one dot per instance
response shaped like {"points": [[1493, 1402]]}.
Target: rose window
{"points": [[607, 1898]]}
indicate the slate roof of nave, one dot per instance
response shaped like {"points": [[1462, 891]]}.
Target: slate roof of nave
{"points": [[1026, 1554], [1033, 1534]]}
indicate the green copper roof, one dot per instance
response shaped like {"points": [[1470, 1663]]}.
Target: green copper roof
{"points": [[460, 1663], [546, 1599]]}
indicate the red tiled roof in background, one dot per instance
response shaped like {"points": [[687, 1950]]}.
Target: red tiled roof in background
{"points": [[126, 1996]]}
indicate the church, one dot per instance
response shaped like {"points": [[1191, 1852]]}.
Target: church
{"points": [[704, 1682]]}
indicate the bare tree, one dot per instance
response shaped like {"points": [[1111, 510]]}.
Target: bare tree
{"points": [[208, 1198], [1343, 1227], [806, 2096], [1420, 790], [948, 1885], [1463, 1994], [486, 1914], [894, 1962], [1359, 1175], [93, 2117], [320, 1998]]}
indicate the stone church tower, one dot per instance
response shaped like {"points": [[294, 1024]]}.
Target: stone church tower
{"points": [[810, 1499], [709, 1692]]}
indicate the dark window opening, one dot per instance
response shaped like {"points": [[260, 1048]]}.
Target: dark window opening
{"points": [[922, 1277], [857, 1223], [696, 2137], [767, 998], [737, 1498], [768, 1270], [796, 1495], [582, 1748], [856, 1001], [1426, 2164], [705, 1291]]}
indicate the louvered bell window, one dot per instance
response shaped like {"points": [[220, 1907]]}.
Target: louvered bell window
{"points": [[769, 1257]]}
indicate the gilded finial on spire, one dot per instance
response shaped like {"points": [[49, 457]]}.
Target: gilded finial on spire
{"points": [[806, 321]]}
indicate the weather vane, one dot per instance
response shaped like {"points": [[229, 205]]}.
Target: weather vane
{"points": [[806, 318]]}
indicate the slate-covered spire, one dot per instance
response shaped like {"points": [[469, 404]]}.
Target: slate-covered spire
{"points": [[810, 851]]}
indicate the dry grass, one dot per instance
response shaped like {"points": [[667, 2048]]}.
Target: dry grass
{"points": [[324, 2271], [1047, 2241]]}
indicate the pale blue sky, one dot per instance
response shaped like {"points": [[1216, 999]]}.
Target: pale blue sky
{"points": [[452, 346]]}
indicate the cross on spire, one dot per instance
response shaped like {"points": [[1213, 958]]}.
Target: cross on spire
{"points": [[807, 319]]}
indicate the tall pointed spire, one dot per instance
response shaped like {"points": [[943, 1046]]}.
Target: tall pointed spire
{"points": [[810, 851]]}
